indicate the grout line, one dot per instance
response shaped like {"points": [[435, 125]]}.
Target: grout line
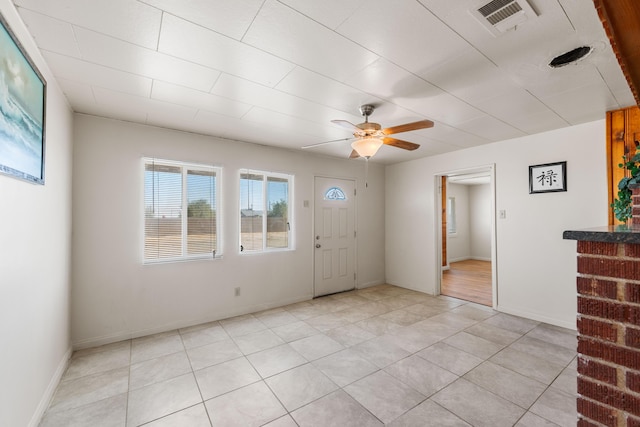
{"points": [[353, 304]]}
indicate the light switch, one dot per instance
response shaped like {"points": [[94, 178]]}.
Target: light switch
{"points": [[503, 214]]}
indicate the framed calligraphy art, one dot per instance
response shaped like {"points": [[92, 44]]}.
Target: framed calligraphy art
{"points": [[549, 177]]}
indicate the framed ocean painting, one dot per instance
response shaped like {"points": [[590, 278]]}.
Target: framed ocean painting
{"points": [[22, 111]]}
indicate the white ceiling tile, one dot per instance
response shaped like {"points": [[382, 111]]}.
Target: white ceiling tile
{"points": [[302, 63], [271, 99], [388, 81], [331, 13], [242, 130], [300, 127], [107, 51], [124, 19], [442, 107], [108, 111], [416, 39], [76, 92], [538, 122], [514, 103], [290, 35], [193, 43], [529, 42], [608, 67], [433, 146], [543, 81], [110, 98], [577, 105], [491, 129], [323, 90], [340, 149], [97, 75], [453, 76], [229, 17], [51, 34], [181, 95], [453, 136]]}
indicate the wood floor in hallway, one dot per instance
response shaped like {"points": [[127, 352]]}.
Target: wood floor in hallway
{"points": [[469, 280]]}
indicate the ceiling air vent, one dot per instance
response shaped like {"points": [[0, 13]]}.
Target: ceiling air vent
{"points": [[570, 57], [499, 16]]}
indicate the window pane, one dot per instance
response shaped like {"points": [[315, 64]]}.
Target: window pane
{"points": [[201, 212], [451, 215], [163, 210], [278, 212], [251, 211]]}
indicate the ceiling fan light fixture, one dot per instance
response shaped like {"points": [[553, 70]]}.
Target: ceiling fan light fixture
{"points": [[367, 147]]}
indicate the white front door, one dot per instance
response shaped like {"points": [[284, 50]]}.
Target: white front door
{"points": [[335, 236]]}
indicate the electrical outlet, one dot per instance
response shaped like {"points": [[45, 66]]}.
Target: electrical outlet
{"points": [[237, 292]]}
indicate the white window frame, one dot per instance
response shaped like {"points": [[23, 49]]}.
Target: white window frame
{"points": [[186, 166], [290, 213], [452, 226]]}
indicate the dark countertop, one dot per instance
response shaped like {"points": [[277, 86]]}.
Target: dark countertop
{"points": [[607, 234]]}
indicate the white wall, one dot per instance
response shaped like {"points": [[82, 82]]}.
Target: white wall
{"points": [[116, 297], [459, 243], [35, 236], [480, 222], [536, 268]]}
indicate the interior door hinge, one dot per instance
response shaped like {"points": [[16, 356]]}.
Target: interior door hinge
{"points": [[354, 277], [354, 191], [354, 233]]}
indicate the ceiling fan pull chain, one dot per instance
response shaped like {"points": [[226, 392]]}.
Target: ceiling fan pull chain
{"points": [[366, 172]]}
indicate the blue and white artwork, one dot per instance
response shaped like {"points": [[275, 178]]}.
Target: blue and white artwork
{"points": [[22, 103]]}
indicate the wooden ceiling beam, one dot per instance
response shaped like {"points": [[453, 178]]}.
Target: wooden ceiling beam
{"points": [[621, 22]]}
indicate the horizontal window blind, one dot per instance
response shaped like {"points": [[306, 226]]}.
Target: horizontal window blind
{"points": [[180, 202]]}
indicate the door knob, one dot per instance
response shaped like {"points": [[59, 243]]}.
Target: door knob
{"points": [[318, 245]]}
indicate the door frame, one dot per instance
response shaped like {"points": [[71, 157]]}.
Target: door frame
{"points": [[313, 229], [491, 171]]}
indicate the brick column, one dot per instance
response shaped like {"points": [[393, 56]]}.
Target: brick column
{"points": [[609, 334]]}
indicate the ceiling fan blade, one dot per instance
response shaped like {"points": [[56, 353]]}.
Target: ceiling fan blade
{"points": [[354, 155], [320, 144], [405, 145], [345, 124], [422, 124]]}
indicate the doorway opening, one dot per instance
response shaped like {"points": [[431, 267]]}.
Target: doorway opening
{"points": [[466, 235]]}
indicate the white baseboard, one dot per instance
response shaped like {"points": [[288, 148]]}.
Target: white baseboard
{"points": [[537, 317], [370, 284], [51, 389], [126, 335], [466, 258]]}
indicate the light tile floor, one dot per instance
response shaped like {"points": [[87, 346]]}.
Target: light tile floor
{"points": [[382, 355]]}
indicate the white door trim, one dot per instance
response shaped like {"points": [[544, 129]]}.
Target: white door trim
{"points": [[491, 170]]}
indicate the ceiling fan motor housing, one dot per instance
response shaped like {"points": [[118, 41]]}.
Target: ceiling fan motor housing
{"points": [[369, 126]]}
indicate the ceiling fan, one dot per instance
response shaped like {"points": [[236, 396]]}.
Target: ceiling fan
{"points": [[369, 136]]}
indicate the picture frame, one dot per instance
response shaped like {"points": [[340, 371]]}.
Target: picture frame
{"points": [[23, 92], [548, 178]]}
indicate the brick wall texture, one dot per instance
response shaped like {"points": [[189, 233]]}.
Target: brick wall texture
{"points": [[609, 332]]}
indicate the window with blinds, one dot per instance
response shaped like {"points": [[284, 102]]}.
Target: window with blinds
{"points": [[265, 220], [180, 211]]}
